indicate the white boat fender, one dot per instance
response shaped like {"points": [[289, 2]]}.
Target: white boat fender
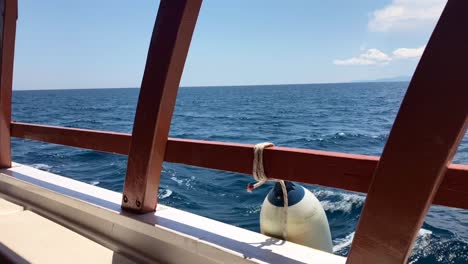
{"points": [[307, 222]]}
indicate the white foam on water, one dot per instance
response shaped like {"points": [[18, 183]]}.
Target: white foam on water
{"points": [[41, 166], [179, 181], [164, 194], [188, 182], [94, 182], [424, 232], [422, 240], [254, 209], [342, 201], [342, 243]]}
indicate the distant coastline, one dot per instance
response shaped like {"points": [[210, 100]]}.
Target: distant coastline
{"points": [[391, 79]]}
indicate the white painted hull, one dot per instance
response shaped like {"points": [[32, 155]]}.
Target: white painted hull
{"points": [[169, 235]]}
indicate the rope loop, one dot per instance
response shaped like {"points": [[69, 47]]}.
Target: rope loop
{"points": [[258, 172]]}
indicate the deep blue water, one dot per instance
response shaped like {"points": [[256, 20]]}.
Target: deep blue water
{"points": [[352, 118]]}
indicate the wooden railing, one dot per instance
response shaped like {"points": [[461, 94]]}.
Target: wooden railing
{"points": [[338, 170], [413, 172]]}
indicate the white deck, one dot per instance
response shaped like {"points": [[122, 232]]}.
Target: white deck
{"points": [[169, 235]]}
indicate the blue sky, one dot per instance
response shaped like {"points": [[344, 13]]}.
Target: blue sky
{"points": [[103, 44]]}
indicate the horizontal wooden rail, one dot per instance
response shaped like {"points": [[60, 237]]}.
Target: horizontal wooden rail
{"points": [[112, 142], [337, 170]]}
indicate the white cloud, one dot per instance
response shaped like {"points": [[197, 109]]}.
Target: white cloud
{"points": [[406, 53], [370, 57], [376, 57], [406, 15], [354, 61]]}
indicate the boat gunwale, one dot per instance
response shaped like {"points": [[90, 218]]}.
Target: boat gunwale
{"points": [[95, 213]]}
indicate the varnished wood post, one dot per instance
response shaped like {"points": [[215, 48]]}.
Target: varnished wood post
{"points": [[168, 50], [429, 126], [8, 30]]}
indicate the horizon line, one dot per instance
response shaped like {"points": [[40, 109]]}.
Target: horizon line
{"points": [[209, 86]]}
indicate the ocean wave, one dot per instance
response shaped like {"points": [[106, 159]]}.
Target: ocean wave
{"points": [[179, 178], [333, 201], [164, 194], [41, 166], [342, 245], [255, 209], [187, 182], [205, 115], [422, 240], [94, 183], [348, 135], [336, 138], [179, 181], [428, 248], [431, 248]]}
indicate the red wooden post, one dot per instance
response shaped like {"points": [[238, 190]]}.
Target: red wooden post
{"points": [[429, 126], [7, 42], [168, 50]]}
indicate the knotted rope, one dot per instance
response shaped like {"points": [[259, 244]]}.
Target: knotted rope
{"points": [[259, 175]]}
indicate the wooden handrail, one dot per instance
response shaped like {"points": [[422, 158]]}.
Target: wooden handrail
{"points": [[337, 170], [104, 141]]}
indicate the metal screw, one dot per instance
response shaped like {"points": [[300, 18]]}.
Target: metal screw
{"points": [[125, 199], [138, 203]]}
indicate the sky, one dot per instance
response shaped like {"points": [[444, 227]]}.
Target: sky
{"points": [[103, 44]]}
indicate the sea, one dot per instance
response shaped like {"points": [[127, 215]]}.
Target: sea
{"points": [[344, 117]]}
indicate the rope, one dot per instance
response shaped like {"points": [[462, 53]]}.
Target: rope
{"points": [[259, 175]]}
